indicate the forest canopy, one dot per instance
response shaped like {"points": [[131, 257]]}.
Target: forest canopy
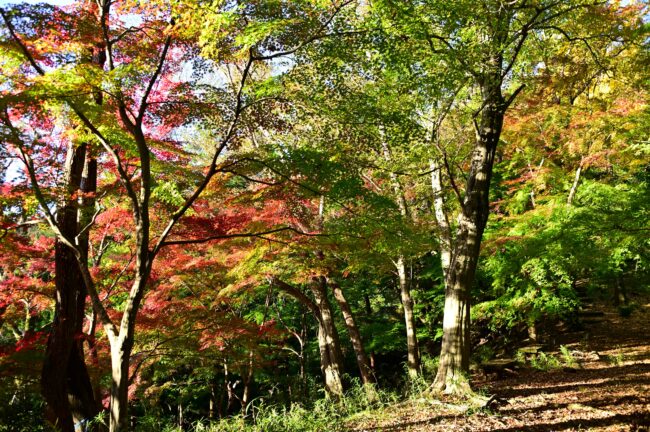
{"points": [[222, 215]]}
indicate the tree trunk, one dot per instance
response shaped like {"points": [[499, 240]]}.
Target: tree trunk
{"points": [[574, 186], [331, 358], [212, 402], [366, 300], [620, 293], [69, 395], [355, 336], [441, 216], [328, 337], [119, 397], [454, 357], [329, 367], [247, 382], [413, 351]]}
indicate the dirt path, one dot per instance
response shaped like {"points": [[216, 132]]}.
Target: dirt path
{"points": [[608, 390]]}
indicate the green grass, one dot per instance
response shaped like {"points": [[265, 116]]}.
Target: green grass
{"points": [[323, 415]]}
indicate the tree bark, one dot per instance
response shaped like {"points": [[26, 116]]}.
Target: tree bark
{"points": [[122, 345], [329, 349], [329, 335], [329, 366], [69, 395], [413, 350], [247, 382], [119, 398], [355, 336], [366, 300], [454, 357], [576, 182], [441, 216]]}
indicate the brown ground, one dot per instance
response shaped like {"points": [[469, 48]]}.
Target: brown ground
{"points": [[609, 390]]}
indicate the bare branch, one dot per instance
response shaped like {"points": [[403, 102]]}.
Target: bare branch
{"points": [[297, 294], [5, 230], [318, 35], [240, 235], [212, 170], [512, 97], [152, 81], [23, 47]]}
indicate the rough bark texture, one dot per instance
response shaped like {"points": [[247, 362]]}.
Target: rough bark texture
{"points": [[454, 358], [69, 394], [328, 337], [329, 367]]}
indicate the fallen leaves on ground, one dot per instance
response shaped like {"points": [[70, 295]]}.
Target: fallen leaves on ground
{"points": [[609, 390]]}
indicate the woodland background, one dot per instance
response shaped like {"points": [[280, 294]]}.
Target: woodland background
{"points": [[266, 214]]}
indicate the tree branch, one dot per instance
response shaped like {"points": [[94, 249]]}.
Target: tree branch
{"points": [[212, 170], [152, 81], [240, 235]]}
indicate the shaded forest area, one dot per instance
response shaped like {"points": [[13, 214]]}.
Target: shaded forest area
{"points": [[320, 215]]}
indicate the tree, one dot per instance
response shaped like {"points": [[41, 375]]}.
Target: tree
{"points": [[489, 42]]}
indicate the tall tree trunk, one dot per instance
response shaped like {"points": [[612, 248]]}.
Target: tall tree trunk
{"points": [[355, 336], [454, 357], [212, 402], [441, 216], [413, 350], [366, 300], [122, 344], [69, 394], [620, 293]]}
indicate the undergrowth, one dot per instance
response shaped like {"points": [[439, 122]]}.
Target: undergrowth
{"points": [[324, 414]]}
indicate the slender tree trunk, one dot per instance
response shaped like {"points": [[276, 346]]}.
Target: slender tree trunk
{"points": [[212, 402], [441, 216], [355, 336], [247, 382], [413, 351], [576, 182], [301, 341], [620, 293], [228, 386], [454, 357], [371, 355]]}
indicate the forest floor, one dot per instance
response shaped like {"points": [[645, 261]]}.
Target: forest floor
{"points": [[607, 389]]}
